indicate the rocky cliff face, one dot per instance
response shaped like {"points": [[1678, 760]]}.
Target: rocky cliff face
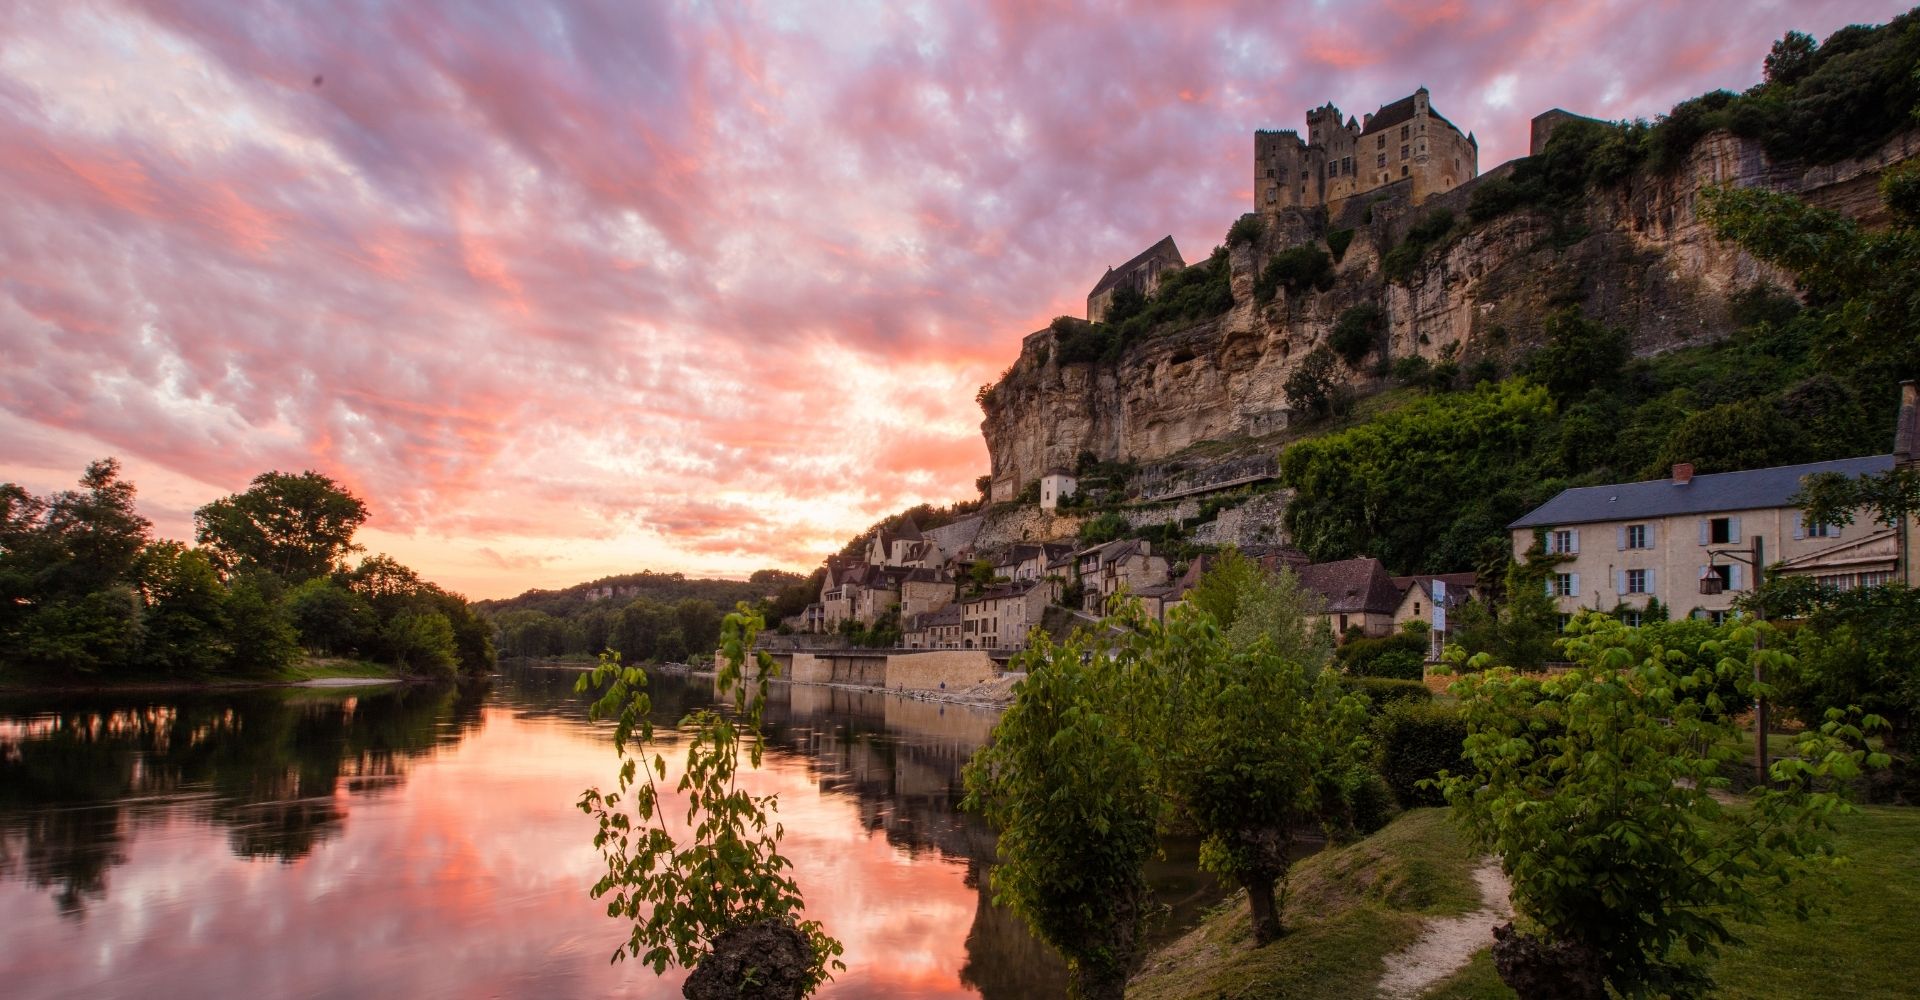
{"points": [[1648, 263]]}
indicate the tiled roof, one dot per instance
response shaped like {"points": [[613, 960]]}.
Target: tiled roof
{"points": [[1164, 248], [1390, 115], [1352, 585], [1755, 489], [949, 615]]}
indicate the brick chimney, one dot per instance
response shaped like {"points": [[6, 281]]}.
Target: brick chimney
{"points": [[1683, 474], [1904, 425]]}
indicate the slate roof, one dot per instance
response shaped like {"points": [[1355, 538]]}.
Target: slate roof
{"points": [[1458, 584], [1352, 585], [1399, 113], [1114, 274], [1755, 489], [949, 615]]}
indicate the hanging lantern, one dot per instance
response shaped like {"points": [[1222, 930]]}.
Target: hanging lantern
{"points": [[1711, 581]]}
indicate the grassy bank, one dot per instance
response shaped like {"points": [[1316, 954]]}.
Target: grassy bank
{"points": [[21, 680], [1352, 907]]}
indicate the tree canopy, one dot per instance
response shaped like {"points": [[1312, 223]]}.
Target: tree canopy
{"points": [[295, 527]]}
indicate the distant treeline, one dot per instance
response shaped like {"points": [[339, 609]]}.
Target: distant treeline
{"points": [[86, 591], [657, 617]]}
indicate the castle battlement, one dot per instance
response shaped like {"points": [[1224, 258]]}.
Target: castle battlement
{"points": [[1341, 158]]}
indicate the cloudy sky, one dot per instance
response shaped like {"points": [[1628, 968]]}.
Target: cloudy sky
{"points": [[569, 289]]}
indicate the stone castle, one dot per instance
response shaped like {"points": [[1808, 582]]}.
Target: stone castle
{"points": [[1405, 146]]}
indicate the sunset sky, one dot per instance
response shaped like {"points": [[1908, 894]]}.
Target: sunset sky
{"points": [[571, 289]]}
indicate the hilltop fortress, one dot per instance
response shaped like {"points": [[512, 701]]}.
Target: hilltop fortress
{"points": [[1406, 146]]}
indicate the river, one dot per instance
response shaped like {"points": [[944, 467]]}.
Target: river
{"points": [[424, 842]]}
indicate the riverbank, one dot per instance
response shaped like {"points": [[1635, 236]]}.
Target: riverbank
{"points": [[1361, 918], [993, 695], [312, 671]]}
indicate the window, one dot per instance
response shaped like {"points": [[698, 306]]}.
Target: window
{"points": [[1381, 161], [1717, 617], [1564, 542], [1403, 170], [1729, 576], [1563, 585], [1720, 531], [1346, 165], [1343, 623], [1404, 130], [1403, 152], [1416, 609], [1823, 531], [1879, 579], [1269, 172], [1380, 143], [1633, 619], [1635, 537], [1636, 581]]}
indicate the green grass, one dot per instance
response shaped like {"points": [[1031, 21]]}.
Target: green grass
{"points": [[1352, 906], [1347, 909], [314, 668]]}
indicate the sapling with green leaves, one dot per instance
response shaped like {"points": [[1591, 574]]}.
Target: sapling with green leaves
{"points": [[1068, 784], [716, 897], [1604, 792]]}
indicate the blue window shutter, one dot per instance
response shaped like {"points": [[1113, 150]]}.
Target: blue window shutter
{"points": [[1620, 581], [1576, 584], [1650, 589], [1620, 538], [1799, 525], [1704, 528], [1576, 542], [1733, 530]]}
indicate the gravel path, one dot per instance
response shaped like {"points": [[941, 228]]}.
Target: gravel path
{"points": [[1449, 942]]}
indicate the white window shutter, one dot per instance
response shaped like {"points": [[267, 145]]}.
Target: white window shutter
{"points": [[1576, 542], [1653, 535], [1704, 528], [1550, 591], [1620, 538], [1799, 525], [1650, 589], [1733, 577], [1575, 584], [1834, 532], [1733, 530]]}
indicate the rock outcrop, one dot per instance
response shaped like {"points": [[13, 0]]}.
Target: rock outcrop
{"points": [[1646, 262]]}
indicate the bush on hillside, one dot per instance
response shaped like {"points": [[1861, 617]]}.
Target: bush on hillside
{"points": [[1417, 741]]}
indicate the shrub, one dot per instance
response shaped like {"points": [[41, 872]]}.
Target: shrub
{"points": [[1385, 691], [1358, 333], [1246, 229], [1401, 656], [1298, 270], [1337, 243], [1430, 231], [1417, 741]]}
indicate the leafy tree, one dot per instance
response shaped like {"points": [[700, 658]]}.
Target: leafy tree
{"points": [[1253, 746], [93, 535], [1750, 434], [329, 618], [1314, 388], [1790, 59], [1247, 229], [1852, 647], [183, 618], [1596, 788], [1856, 278], [421, 642], [717, 899], [1579, 355], [1068, 785], [259, 635], [1251, 605], [296, 527]]}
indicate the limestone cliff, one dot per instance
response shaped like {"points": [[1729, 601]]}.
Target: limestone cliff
{"points": [[1647, 263]]}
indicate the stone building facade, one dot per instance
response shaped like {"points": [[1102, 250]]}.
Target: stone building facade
{"points": [[1142, 274], [1405, 141]]}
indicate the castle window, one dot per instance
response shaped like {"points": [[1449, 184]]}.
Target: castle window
{"points": [[1346, 166], [1383, 160], [1403, 131], [1269, 173], [1380, 143], [1403, 152], [1403, 170]]}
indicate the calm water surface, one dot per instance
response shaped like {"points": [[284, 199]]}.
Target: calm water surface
{"points": [[424, 842]]}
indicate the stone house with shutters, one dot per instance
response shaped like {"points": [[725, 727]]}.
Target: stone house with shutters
{"points": [[1359, 594], [933, 629], [1419, 594], [1625, 544], [1000, 616], [1128, 563]]}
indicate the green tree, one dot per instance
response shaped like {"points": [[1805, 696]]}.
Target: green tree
{"points": [[421, 642], [1069, 786], [1749, 434], [296, 527], [1853, 647], [183, 618], [1579, 355], [1315, 389], [1253, 747], [329, 618], [1790, 59], [1359, 332], [718, 899], [94, 535], [259, 635], [1597, 789]]}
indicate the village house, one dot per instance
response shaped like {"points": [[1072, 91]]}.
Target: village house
{"points": [[1030, 560], [933, 629], [924, 590], [1000, 616], [1359, 595], [1690, 541], [1056, 485], [858, 591], [1421, 594], [1127, 563]]}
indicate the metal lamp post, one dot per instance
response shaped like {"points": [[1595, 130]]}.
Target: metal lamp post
{"points": [[1710, 583]]}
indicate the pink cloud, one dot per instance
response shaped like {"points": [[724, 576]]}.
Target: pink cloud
{"points": [[575, 271]]}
